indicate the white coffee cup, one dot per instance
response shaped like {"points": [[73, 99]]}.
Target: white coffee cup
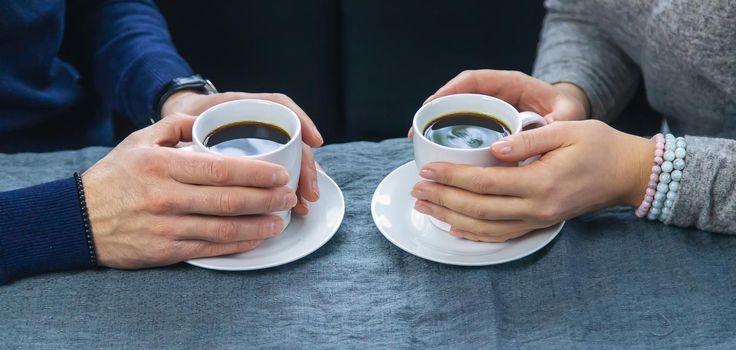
{"points": [[289, 155], [426, 151]]}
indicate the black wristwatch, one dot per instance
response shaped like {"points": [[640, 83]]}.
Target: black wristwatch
{"points": [[195, 82]]}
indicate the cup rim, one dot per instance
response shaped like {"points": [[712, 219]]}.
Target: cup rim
{"points": [[297, 134], [419, 132]]}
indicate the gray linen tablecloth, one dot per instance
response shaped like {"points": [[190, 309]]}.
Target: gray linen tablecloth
{"points": [[608, 281]]}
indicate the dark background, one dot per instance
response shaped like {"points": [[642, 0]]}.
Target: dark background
{"points": [[359, 68]]}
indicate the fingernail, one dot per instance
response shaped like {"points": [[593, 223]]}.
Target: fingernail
{"points": [[418, 193], [281, 177], [277, 225], [315, 188], [305, 202], [290, 200], [456, 233], [428, 174], [319, 136], [502, 147], [422, 208]]}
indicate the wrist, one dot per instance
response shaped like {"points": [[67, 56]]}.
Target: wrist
{"points": [[638, 169], [176, 102]]}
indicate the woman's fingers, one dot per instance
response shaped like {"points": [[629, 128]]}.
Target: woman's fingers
{"points": [[479, 206], [507, 181], [485, 230], [506, 85]]}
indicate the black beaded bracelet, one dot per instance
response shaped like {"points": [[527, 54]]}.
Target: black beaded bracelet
{"points": [[85, 219]]}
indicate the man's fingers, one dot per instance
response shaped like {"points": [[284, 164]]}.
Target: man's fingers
{"points": [[507, 181], [227, 229], [479, 206], [217, 170], [219, 201], [302, 207], [192, 249], [308, 187], [310, 133], [168, 131]]}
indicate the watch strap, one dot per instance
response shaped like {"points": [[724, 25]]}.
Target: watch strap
{"points": [[195, 82]]}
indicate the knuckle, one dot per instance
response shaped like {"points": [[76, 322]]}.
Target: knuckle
{"points": [[275, 200], [216, 171], [478, 212], [249, 245], [279, 97], [480, 184], [515, 74], [528, 140], [227, 203], [230, 95], [227, 232], [467, 73], [162, 229], [262, 175], [153, 164], [158, 202], [548, 213]]}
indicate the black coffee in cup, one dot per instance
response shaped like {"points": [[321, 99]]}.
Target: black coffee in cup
{"points": [[466, 130], [248, 138]]}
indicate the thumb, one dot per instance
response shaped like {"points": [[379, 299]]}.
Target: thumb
{"points": [[170, 130], [526, 144]]}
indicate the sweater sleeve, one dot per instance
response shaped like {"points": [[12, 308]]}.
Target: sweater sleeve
{"points": [[134, 56], [707, 198], [41, 230], [572, 49]]}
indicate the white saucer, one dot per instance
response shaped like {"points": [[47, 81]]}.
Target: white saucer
{"points": [[303, 236], [393, 212]]}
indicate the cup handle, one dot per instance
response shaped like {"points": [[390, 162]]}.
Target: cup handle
{"points": [[531, 120]]}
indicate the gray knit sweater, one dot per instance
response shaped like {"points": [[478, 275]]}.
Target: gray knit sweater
{"points": [[685, 52]]}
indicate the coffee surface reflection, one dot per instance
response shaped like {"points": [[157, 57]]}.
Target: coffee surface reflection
{"points": [[246, 139], [466, 130]]}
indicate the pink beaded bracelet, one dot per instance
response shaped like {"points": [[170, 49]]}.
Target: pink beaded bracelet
{"points": [[646, 204]]}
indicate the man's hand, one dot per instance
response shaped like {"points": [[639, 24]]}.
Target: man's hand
{"points": [[151, 204], [192, 103]]}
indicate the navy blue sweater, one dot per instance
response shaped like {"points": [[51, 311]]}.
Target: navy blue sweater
{"points": [[130, 58]]}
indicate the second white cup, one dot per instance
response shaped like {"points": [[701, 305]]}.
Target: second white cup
{"points": [[426, 151]]}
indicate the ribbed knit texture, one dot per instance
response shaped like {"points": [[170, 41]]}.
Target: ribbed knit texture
{"points": [[132, 58], [41, 230], [684, 51]]}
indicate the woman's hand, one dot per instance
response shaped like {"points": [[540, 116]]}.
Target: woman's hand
{"points": [[562, 101], [193, 103], [151, 205], [585, 166]]}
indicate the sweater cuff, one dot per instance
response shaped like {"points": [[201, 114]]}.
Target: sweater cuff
{"points": [[573, 75], [144, 81], [707, 200], [42, 230]]}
